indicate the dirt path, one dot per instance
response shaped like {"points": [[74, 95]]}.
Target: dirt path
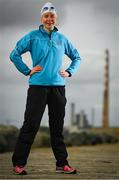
{"points": [[92, 162]]}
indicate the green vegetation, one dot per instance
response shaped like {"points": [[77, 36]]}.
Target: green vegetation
{"points": [[8, 137], [84, 138]]}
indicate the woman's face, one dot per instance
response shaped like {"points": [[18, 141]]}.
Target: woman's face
{"points": [[48, 20]]}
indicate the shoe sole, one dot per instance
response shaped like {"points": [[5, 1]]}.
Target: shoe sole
{"points": [[66, 172], [22, 173]]}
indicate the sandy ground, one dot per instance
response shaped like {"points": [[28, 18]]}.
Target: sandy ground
{"points": [[92, 162]]}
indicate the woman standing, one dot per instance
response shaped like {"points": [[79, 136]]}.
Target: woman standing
{"points": [[46, 87]]}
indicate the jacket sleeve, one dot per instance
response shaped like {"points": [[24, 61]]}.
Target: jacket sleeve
{"points": [[73, 54], [22, 46]]}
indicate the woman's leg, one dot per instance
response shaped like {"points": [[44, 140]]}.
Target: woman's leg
{"points": [[56, 107], [35, 106]]}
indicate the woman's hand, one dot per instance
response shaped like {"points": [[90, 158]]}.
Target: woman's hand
{"points": [[64, 73], [35, 69]]}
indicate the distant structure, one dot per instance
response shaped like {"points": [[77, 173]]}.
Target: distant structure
{"points": [[73, 118], [78, 120], [105, 112], [93, 117], [81, 120]]}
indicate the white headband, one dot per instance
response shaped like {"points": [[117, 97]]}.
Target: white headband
{"points": [[48, 7]]}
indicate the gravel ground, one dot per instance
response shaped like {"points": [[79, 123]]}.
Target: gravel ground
{"points": [[92, 162]]}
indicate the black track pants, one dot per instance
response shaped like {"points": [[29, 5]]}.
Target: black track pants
{"points": [[37, 99]]}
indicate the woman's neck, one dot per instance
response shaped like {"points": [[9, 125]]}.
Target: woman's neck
{"points": [[48, 30]]}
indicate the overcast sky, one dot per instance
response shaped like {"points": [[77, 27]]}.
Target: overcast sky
{"points": [[92, 26]]}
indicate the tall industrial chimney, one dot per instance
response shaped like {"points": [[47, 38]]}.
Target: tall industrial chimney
{"points": [[73, 118], [105, 113]]}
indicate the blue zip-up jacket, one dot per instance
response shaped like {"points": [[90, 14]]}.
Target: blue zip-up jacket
{"points": [[47, 51]]}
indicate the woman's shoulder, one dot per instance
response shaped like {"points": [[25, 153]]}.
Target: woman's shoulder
{"points": [[61, 35], [34, 32]]}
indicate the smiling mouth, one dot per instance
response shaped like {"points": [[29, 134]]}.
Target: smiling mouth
{"points": [[50, 24]]}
